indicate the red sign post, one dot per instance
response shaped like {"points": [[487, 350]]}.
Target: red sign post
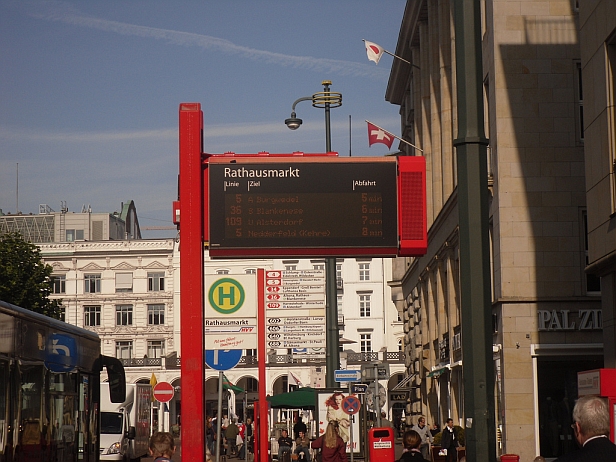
{"points": [[389, 219], [163, 392]]}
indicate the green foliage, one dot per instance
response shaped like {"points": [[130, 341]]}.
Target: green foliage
{"points": [[24, 277], [461, 436]]}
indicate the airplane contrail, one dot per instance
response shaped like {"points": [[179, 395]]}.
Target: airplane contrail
{"points": [[61, 12]]}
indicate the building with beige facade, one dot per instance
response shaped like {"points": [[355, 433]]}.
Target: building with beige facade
{"points": [[598, 46], [127, 291], [546, 311]]}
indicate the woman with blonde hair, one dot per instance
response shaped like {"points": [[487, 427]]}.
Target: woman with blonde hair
{"points": [[333, 448]]}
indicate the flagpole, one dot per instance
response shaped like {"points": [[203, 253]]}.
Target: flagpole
{"points": [[397, 137], [396, 56]]}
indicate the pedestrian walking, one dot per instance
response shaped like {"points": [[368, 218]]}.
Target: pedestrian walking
{"points": [[426, 437], [333, 448], [449, 442]]}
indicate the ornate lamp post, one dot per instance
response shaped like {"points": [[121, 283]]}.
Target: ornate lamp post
{"points": [[326, 100]]}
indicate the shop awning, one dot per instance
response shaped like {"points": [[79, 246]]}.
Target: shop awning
{"points": [[438, 372], [302, 398]]}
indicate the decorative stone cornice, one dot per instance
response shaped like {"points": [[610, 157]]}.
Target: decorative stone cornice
{"points": [[163, 245], [124, 266], [58, 267]]}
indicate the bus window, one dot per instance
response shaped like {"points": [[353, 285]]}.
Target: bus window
{"points": [[4, 416]]}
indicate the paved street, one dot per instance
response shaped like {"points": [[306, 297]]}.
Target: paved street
{"points": [[177, 457]]}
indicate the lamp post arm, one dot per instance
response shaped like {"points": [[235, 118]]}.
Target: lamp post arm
{"points": [[305, 98]]}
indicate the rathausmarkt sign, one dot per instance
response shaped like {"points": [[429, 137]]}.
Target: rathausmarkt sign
{"points": [[561, 320]]}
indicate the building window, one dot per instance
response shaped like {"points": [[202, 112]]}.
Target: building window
{"points": [[62, 313], [339, 303], [58, 284], [400, 345], [364, 305], [339, 271], [250, 271], [124, 315], [222, 271], [124, 349], [73, 235], [92, 316], [156, 348], [124, 282], [318, 265], [156, 282], [593, 282], [365, 343], [251, 352], [92, 283], [364, 271], [290, 265], [251, 384], [156, 315], [579, 102]]}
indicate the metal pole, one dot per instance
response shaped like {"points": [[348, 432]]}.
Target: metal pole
{"points": [[352, 420], [476, 312], [245, 423], [377, 404], [331, 313], [219, 417]]}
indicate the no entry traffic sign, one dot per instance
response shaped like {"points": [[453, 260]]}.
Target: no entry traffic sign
{"points": [[163, 392], [351, 405]]}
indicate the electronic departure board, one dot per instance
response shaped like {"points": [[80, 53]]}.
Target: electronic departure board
{"points": [[302, 206]]}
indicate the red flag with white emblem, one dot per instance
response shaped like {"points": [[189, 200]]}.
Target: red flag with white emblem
{"points": [[378, 135], [374, 51]]}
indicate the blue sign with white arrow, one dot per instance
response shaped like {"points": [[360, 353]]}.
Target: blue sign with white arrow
{"points": [[347, 375], [61, 353], [222, 360]]}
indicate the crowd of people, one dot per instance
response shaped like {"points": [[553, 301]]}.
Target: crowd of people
{"points": [[591, 426], [236, 436]]}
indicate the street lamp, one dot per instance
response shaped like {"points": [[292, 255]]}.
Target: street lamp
{"points": [[326, 100]]}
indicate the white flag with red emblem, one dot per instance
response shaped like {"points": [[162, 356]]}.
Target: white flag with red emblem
{"points": [[294, 380], [374, 51], [378, 135]]}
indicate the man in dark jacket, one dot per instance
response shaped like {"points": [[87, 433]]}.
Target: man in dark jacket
{"points": [[591, 425], [450, 441], [231, 434]]}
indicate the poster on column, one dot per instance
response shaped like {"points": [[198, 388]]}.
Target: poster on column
{"points": [[230, 312], [329, 408]]}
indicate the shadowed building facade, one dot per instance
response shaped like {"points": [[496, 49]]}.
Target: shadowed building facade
{"points": [[547, 316]]}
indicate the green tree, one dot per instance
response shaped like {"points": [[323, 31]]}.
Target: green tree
{"points": [[24, 277]]}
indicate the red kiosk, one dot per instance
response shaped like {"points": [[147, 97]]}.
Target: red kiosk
{"points": [[384, 209]]}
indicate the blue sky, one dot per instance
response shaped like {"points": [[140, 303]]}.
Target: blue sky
{"points": [[90, 90]]}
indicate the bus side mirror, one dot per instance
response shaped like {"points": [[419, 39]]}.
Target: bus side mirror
{"points": [[117, 379]]}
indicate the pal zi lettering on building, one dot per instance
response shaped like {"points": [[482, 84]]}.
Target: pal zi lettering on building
{"points": [[561, 320]]}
